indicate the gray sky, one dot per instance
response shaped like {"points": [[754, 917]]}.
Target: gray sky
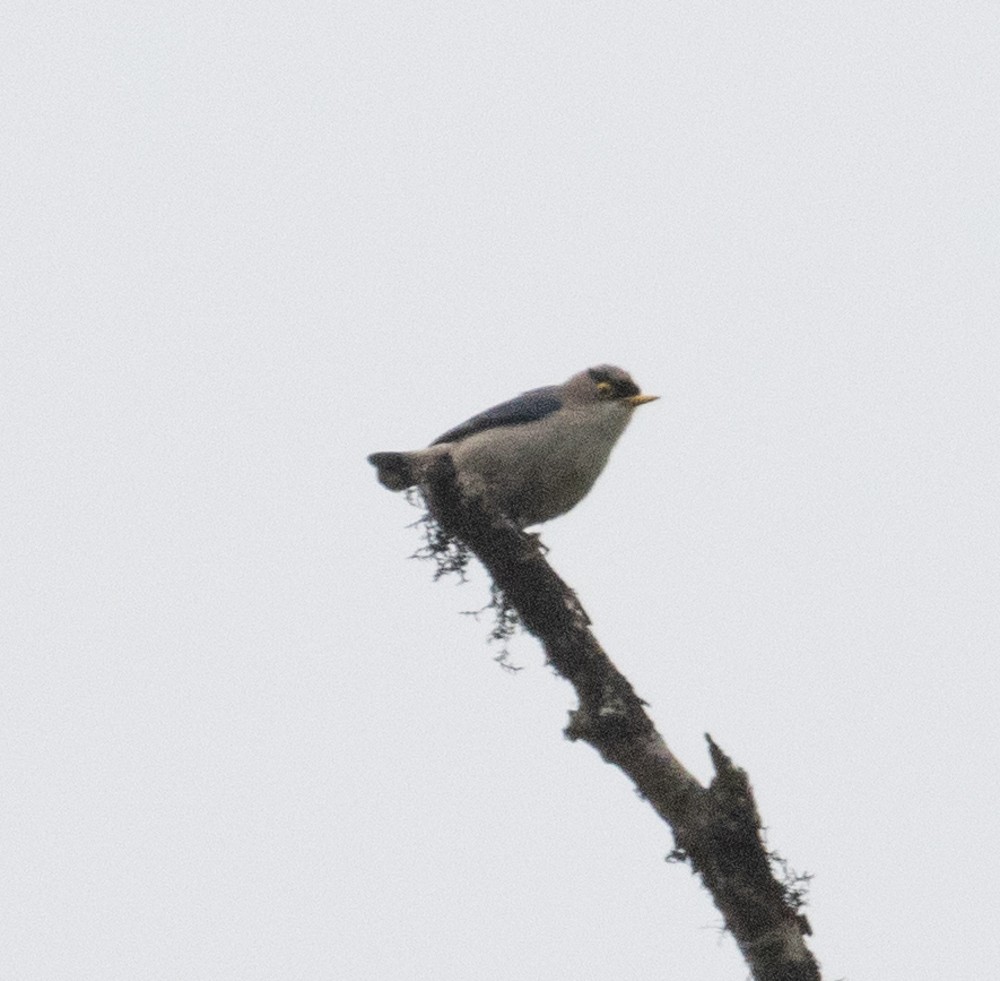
{"points": [[241, 735]]}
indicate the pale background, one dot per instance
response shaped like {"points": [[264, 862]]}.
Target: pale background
{"points": [[241, 735]]}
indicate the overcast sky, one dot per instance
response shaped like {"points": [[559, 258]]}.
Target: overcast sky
{"points": [[242, 735]]}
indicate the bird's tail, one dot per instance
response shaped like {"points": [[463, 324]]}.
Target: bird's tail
{"points": [[394, 470]]}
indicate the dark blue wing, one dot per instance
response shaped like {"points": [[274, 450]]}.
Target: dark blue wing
{"points": [[528, 407]]}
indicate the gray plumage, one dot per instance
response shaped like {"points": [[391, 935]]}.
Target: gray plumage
{"points": [[536, 456]]}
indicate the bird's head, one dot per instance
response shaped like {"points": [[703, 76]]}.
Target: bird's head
{"points": [[605, 383]]}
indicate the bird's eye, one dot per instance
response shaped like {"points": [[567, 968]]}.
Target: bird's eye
{"points": [[605, 389]]}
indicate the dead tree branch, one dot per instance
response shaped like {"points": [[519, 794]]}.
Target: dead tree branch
{"points": [[716, 828]]}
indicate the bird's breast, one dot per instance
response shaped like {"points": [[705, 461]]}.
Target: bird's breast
{"points": [[540, 470]]}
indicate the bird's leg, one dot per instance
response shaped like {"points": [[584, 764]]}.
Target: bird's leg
{"points": [[536, 540]]}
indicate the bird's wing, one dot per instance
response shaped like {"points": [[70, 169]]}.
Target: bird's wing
{"points": [[528, 407]]}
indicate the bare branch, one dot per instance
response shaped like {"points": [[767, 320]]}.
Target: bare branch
{"points": [[716, 828]]}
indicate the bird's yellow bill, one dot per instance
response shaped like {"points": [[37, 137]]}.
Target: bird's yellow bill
{"points": [[641, 399]]}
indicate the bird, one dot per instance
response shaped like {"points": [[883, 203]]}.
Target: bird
{"points": [[536, 456]]}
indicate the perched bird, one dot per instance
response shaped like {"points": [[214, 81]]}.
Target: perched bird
{"points": [[536, 456]]}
